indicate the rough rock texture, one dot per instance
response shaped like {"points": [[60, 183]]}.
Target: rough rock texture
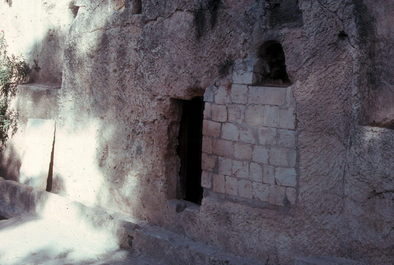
{"points": [[118, 123]]}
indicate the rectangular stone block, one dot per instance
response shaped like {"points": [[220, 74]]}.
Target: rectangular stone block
{"points": [[267, 95], [219, 183], [286, 138], [268, 174], [207, 145], [219, 113], [243, 71], [206, 180], [287, 118], [231, 186], [39, 140], [279, 156], [242, 151], [225, 166], [261, 191], [260, 154], [235, 113], [277, 195], [245, 189], [211, 128], [239, 94], [223, 148], [230, 132], [255, 115], [286, 177], [222, 96], [240, 169], [247, 134], [209, 95], [292, 157], [256, 172], [242, 77], [290, 100], [271, 116], [207, 111], [208, 162], [267, 136]]}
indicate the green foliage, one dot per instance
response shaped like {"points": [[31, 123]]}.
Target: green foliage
{"points": [[13, 71]]}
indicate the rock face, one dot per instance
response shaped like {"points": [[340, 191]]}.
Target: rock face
{"points": [[293, 161]]}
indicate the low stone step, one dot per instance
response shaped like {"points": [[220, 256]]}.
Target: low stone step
{"points": [[175, 249], [325, 261]]}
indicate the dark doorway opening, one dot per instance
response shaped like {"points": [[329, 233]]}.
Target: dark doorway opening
{"points": [[189, 150], [271, 65]]}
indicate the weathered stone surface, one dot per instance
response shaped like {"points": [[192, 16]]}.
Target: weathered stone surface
{"points": [[325, 261], [121, 70], [39, 141], [267, 95]]}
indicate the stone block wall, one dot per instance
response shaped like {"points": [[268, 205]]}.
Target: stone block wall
{"points": [[249, 142]]}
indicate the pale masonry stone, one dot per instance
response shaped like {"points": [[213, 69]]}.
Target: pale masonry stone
{"points": [[239, 94], [230, 131], [279, 157], [260, 191], [245, 189], [208, 162], [290, 100], [231, 186], [256, 172], [222, 96], [207, 111], [219, 113], [260, 154], [291, 195], [292, 158], [240, 169], [286, 138], [225, 166], [271, 116], [223, 148], [267, 95], [236, 113], [211, 128], [240, 77], [287, 119], [268, 174], [243, 71], [242, 151], [219, 184], [247, 135], [206, 180], [286, 177], [209, 94], [277, 195], [254, 115], [267, 136], [207, 145]]}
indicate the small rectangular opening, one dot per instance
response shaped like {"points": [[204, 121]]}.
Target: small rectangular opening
{"points": [[189, 150], [136, 7]]}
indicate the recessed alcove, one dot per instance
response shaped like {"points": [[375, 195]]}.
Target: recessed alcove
{"points": [[270, 68], [136, 6]]}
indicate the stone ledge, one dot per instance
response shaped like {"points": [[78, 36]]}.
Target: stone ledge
{"points": [[39, 86], [325, 261]]}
